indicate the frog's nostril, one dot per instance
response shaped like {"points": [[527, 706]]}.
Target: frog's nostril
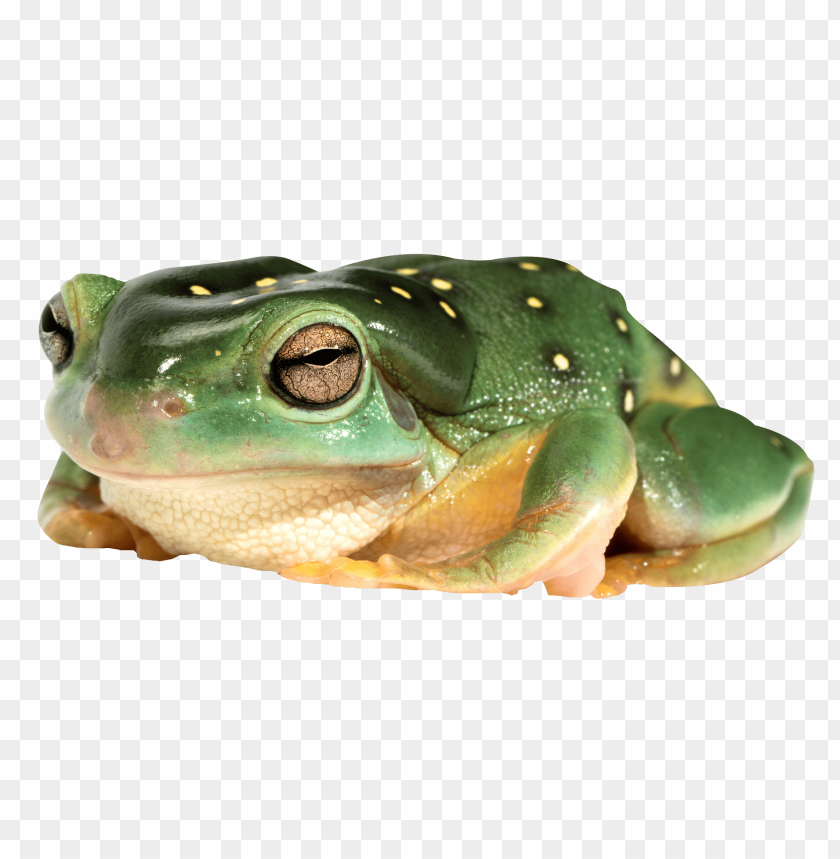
{"points": [[54, 332], [162, 406], [172, 406]]}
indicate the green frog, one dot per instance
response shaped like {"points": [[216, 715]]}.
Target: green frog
{"points": [[412, 421]]}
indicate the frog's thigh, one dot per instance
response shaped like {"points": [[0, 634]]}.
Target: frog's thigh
{"points": [[717, 498], [575, 494], [72, 513]]}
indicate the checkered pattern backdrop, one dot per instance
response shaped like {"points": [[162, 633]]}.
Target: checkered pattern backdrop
{"points": [[680, 153]]}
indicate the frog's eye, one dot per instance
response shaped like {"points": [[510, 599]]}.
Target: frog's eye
{"points": [[318, 365], [54, 331]]}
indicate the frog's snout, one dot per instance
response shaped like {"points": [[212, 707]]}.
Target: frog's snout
{"points": [[113, 428]]}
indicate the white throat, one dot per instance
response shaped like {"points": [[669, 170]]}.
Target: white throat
{"points": [[268, 524]]}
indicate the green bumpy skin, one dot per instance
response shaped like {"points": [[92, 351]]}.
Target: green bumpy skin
{"points": [[412, 421]]}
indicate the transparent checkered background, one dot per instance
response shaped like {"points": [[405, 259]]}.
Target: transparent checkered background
{"points": [[682, 154]]}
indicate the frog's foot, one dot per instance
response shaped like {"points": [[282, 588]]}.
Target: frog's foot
{"points": [[574, 496], [87, 525], [570, 567], [73, 514], [726, 495]]}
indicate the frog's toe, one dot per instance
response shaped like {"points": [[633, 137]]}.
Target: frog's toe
{"points": [[348, 573], [582, 581]]}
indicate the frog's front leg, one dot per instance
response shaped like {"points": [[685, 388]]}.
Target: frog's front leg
{"points": [[574, 496], [73, 514]]}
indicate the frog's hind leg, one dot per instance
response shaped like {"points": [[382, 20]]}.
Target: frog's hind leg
{"points": [[73, 514], [717, 498]]}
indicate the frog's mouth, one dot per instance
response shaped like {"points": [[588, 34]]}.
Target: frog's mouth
{"points": [[356, 475]]}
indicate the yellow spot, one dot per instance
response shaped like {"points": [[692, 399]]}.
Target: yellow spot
{"points": [[300, 281], [529, 266], [448, 309], [218, 353], [441, 284], [377, 301], [401, 292], [200, 290], [407, 271], [561, 362], [676, 366], [571, 267], [267, 281], [534, 302], [621, 325], [628, 401], [238, 301], [775, 441]]}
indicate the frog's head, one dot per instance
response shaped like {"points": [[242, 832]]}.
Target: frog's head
{"points": [[261, 367]]}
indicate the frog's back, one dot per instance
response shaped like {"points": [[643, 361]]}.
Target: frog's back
{"points": [[548, 339]]}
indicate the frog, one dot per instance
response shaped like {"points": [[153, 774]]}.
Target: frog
{"points": [[413, 421]]}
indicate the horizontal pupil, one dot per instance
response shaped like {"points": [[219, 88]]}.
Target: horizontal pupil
{"points": [[321, 358]]}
